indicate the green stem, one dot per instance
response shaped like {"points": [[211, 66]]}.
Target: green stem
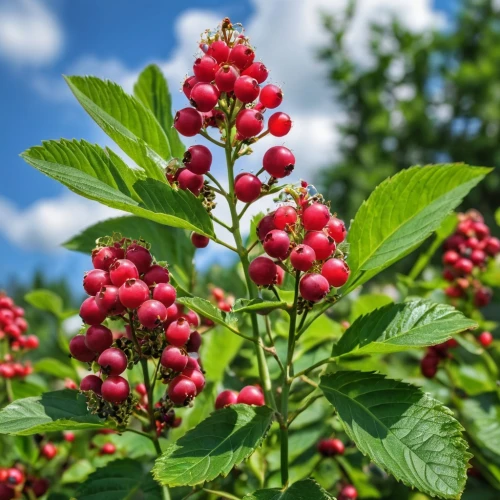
{"points": [[221, 223], [425, 258], [316, 365], [8, 390], [208, 138], [312, 398]]}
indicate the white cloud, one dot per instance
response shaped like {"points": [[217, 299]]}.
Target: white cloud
{"points": [[49, 222], [30, 34]]}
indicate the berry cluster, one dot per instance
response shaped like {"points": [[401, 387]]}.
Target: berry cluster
{"points": [[466, 255], [223, 302], [302, 237], [13, 326], [249, 395], [14, 481], [127, 284]]}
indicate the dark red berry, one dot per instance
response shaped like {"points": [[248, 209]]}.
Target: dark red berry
{"points": [[271, 96], [98, 338], [178, 332], [323, 245], [94, 280], [219, 51], [262, 271], [204, 69], [108, 449], [191, 182], [165, 293], [102, 258], [108, 302], [40, 486], [336, 272], [246, 89], [251, 395], [478, 257], [313, 287], [485, 339], [454, 292], [331, 447], [6, 492], [188, 122], [247, 187], [278, 161], [140, 256], [188, 85], [258, 71], [284, 216], [315, 217], [91, 383], [199, 240], [133, 293], [450, 257], [113, 361], [79, 350], [173, 358], [152, 314], [198, 159], [204, 96], [492, 246], [279, 124], [429, 365], [336, 229], [156, 274], [241, 56], [194, 342], [181, 390], [249, 123], [226, 77], [14, 476], [226, 398], [90, 313], [277, 244], [302, 257], [49, 451], [265, 225], [196, 377], [121, 271], [463, 266], [481, 230], [482, 297], [115, 389]]}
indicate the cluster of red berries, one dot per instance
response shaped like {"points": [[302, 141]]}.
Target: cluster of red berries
{"points": [[126, 283], [13, 326], [249, 395], [223, 302], [302, 237], [466, 255], [14, 482]]}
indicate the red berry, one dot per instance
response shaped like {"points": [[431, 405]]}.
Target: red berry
{"points": [[241, 56], [156, 274], [219, 51], [31, 342], [302, 257], [79, 350], [331, 447], [485, 339], [450, 257], [265, 225], [492, 246], [178, 332], [284, 216], [7, 371], [481, 230], [262, 271], [121, 271], [108, 449], [226, 398], [196, 377], [188, 85], [102, 258], [194, 342], [98, 338], [141, 389], [204, 96], [279, 124], [40, 486], [115, 389], [6, 492], [94, 280], [49, 451], [249, 123], [336, 229], [258, 71], [454, 292], [198, 159], [336, 272], [246, 89], [91, 383], [152, 314], [69, 436], [113, 361], [133, 293], [323, 245], [278, 161], [429, 365], [199, 240], [313, 287], [90, 312], [140, 256], [478, 257], [226, 77], [251, 395], [247, 187], [14, 331], [271, 96], [22, 324], [188, 122], [14, 476], [463, 266], [204, 69], [348, 492], [165, 293], [277, 244], [108, 302], [181, 390], [315, 217], [191, 182]]}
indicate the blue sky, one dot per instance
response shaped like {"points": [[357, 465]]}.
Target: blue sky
{"points": [[40, 40]]}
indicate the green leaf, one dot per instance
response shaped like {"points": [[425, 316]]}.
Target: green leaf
{"points": [[167, 243], [257, 305], [102, 176], [45, 300], [308, 489], [399, 327], [152, 90], [120, 480], [215, 446], [77, 472], [402, 212], [367, 303], [52, 411], [131, 125], [26, 449], [208, 310], [56, 368], [497, 216], [402, 429]]}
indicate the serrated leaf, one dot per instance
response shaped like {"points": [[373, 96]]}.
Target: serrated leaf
{"points": [[120, 480], [208, 310], [152, 90], [257, 305], [402, 429], [167, 243], [215, 446], [365, 304], [308, 489], [52, 411], [402, 212], [399, 327]]}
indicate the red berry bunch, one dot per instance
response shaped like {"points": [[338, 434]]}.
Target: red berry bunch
{"points": [[466, 256], [249, 395], [13, 327], [222, 301], [302, 236], [429, 364], [14, 482], [331, 447]]}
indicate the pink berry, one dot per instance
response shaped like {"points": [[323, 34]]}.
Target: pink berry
{"points": [[140, 256], [133, 293], [249, 123], [32, 342], [188, 122], [450, 257], [181, 390], [251, 395], [348, 492], [49, 451], [108, 449], [219, 51], [258, 71], [199, 240], [204, 96], [463, 266], [173, 358], [152, 314], [204, 69], [191, 182], [278, 161], [247, 187], [492, 246], [79, 350], [226, 77], [315, 217], [178, 332], [188, 85], [271, 96], [108, 302], [246, 89], [336, 272], [313, 287], [156, 274], [194, 342], [277, 244], [90, 313], [279, 124], [192, 318], [165, 293], [336, 229], [323, 245], [196, 377], [302, 257], [481, 230], [94, 280], [22, 324], [262, 271], [121, 271], [331, 447], [241, 56], [102, 258], [265, 225], [98, 338], [226, 398], [285, 216], [485, 339], [113, 361], [198, 159], [478, 257], [115, 389]]}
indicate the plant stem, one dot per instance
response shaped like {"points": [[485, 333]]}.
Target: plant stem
{"points": [[221, 223], [316, 365], [312, 398], [208, 138]]}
